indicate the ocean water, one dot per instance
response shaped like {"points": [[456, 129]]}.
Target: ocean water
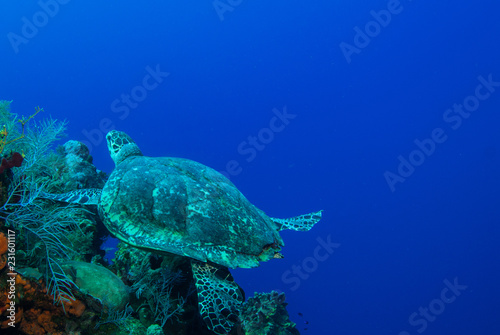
{"points": [[385, 114]]}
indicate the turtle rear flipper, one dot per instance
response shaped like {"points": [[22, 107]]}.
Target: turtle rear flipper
{"points": [[218, 298], [88, 196], [301, 222]]}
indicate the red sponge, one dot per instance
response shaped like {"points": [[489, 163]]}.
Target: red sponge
{"points": [[14, 161]]}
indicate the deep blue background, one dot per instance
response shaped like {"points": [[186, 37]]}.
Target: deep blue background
{"points": [[353, 121]]}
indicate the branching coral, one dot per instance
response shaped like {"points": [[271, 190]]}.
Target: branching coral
{"points": [[4, 133], [155, 287]]}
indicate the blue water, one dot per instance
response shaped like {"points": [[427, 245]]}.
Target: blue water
{"points": [[356, 86]]}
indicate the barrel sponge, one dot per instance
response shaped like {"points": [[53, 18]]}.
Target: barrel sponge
{"points": [[99, 282]]}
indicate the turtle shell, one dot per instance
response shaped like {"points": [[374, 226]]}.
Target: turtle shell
{"points": [[179, 206]]}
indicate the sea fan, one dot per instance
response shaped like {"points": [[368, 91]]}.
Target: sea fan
{"points": [[45, 231], [155, 286], [42, 229]]}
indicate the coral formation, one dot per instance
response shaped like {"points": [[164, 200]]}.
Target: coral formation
{"points": [[156, 281], [35, 311], [99, 282], [265, 314], [63, 285], [155, 330], [75, 170], [4, 133]]}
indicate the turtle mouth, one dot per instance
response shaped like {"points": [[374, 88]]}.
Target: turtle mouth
{"points": [[271, 248]]}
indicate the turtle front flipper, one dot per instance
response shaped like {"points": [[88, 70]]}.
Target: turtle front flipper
{"points": [[88, 196], [219, 297], [301, 222]]}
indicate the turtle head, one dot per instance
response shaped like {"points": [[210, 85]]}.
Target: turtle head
{"points": [[121, 146]]}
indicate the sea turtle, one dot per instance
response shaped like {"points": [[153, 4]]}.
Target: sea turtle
{"points": [[181, 207]]}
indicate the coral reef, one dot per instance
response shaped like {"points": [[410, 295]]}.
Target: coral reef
{"points": [[35, 311], [43, 231], [265, 314], [157, 282], [62, 283], [75, 170]]}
